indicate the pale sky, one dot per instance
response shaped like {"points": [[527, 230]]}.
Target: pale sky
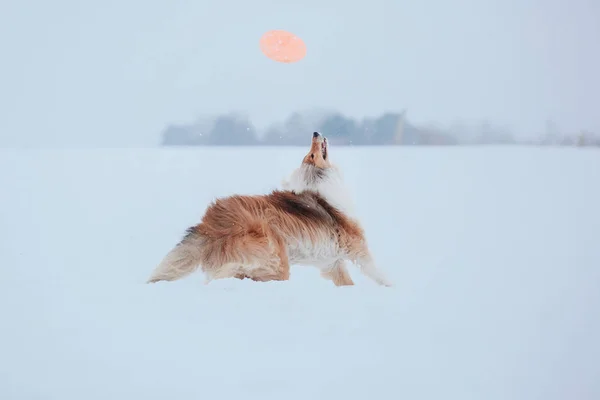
{"points": [[116, 72]]}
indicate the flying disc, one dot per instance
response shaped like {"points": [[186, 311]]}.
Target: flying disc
{"points": [[282, 46]]}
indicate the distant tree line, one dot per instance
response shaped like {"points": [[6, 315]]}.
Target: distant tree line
{"points": [[391, 128]]}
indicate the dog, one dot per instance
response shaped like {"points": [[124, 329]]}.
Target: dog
{"points": [[309, 222]]}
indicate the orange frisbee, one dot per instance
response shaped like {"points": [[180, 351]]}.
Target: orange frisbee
{"points": [[282, 46]]}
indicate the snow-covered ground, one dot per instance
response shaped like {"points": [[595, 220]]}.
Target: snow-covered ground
{"points": [[494, 252]]}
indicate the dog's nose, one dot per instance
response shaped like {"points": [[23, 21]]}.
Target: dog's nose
{"points": [[316, 134]]}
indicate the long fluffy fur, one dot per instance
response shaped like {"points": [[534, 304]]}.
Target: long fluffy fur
{"points": [[259, 237]]}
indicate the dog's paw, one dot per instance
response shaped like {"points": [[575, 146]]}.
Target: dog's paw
{"points": [[384, 282]]}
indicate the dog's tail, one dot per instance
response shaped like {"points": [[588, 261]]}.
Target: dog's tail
{"points": [[182, 260]]}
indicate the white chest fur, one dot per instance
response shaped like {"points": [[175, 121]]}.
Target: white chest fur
{"points": [[328, 183]]}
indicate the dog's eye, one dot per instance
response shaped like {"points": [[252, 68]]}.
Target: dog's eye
{"points": [[312, 156]]}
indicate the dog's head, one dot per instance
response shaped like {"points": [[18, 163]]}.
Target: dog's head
{"points": [[317, 173], [318, 153], [315, 168]]}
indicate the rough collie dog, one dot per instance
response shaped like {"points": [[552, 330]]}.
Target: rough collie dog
{"points": [[260, 236]]}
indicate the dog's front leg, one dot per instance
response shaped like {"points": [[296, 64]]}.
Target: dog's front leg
{"points": [[367, 266], [338, 274]]}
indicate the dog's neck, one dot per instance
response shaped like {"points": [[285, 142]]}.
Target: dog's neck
{"points": [[328, 183]]}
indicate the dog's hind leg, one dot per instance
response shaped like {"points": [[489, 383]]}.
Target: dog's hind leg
{"points": [[228, 270], [277, 268], [258, 257], [338, 274]]}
